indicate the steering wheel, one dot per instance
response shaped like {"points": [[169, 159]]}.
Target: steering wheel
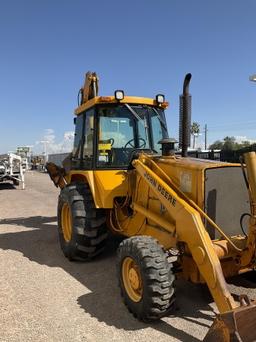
{"points": [[129, 143]]}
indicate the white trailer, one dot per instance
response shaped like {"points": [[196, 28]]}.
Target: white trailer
{"points": [[11, 169]]}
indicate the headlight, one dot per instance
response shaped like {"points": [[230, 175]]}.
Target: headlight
{"points": [[119, 95]]}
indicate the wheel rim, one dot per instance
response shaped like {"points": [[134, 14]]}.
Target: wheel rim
{"points": [[66, 222], [132, 279]]}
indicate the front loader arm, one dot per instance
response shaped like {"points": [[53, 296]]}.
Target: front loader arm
{"points": [[190, 229]]}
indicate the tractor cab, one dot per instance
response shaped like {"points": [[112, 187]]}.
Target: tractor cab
{"points": [[109, 130]]}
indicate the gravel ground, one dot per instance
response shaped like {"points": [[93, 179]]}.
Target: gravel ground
{"points": [[44, 297]]}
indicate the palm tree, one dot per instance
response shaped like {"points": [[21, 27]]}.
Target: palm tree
{"points": [[194, 130]]}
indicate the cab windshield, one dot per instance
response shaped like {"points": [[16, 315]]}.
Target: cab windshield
{"points": [[125, 128]]}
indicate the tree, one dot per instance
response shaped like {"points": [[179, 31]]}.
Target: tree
{"points": [[195, 130], [217, 145], [244, 144], [229, 144]]}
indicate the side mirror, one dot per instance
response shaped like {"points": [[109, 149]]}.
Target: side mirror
{"points": [[74, 121]]}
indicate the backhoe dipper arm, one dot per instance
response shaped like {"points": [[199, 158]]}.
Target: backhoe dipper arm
{"points": [[190, 229], [90, 88]]}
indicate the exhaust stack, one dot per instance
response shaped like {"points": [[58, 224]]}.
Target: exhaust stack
{"points": [[185, 117]]}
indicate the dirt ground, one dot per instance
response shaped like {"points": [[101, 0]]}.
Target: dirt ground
{"points": [[44, 297]]}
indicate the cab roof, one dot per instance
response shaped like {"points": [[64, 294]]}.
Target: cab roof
{"points": [[127, 99]]}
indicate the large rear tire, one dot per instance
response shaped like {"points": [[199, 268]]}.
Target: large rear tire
{"points": [[81, 227], [145, 278]]}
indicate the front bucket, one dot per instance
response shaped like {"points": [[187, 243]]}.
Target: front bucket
{"points": [[238, 325]]}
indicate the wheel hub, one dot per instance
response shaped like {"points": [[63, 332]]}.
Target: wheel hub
{"points": [[132, 279], [66, 222]]}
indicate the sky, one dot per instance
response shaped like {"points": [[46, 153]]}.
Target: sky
{"points": [[144, 47]]}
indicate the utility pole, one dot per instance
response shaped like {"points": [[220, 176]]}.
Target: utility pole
{"points": [[205, 136]]}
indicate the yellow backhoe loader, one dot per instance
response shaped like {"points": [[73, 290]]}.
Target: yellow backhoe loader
{"points": [[124, 176]]}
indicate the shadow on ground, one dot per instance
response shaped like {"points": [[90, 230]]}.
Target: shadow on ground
{"points": [[40, 244], [7, 186]]}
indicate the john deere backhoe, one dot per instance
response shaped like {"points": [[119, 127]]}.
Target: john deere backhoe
{"points": [[123, 176]]}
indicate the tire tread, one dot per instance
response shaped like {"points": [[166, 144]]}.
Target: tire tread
{"points": [[158, 289], [89, 232]]}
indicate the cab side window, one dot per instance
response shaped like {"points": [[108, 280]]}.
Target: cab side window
{"points": [[76, 153], [88, 138]]}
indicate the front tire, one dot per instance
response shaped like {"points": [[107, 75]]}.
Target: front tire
{"points": [[145, 278], [81, 227]]}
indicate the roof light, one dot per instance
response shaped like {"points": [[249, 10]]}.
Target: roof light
{"points": [[119, 95], [160, 98], [253, 78]]}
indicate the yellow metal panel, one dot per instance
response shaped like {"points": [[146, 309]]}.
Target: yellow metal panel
{"points": [[105, 185], [186, 179], [188, 174], [193, 163], [110, 184]]}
